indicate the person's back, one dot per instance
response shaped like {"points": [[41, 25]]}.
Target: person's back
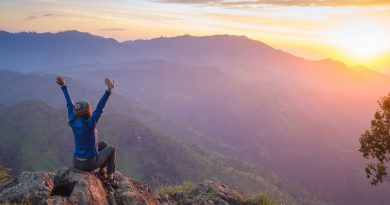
{"points": [[89, 154], [85, 138]]}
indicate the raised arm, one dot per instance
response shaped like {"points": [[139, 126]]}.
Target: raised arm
{"points": [[93, 120], [69, 103]]}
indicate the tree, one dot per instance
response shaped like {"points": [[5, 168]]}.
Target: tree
{"points": [[375, 143]]}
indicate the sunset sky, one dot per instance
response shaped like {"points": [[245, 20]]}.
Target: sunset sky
{"points": [[354, 31]]}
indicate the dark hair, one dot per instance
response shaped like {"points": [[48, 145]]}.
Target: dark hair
{"points": [[86, 116]]}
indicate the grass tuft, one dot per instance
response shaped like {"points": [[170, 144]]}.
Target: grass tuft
{"points": [[4, 176], [186, 186], [258, 199]]}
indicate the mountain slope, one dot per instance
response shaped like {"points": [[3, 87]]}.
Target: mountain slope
{"points": [[16, 87], [44, 141]]}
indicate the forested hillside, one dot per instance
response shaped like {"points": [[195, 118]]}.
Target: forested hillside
{"points": [[37, 137]]}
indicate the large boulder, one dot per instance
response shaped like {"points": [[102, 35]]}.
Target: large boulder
{"points": [[78, 186], [70, 186], [29, 187]]}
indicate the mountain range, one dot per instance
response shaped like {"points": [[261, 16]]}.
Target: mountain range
{"points": [[232, 95]]}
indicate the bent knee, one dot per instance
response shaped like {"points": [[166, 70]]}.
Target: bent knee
{"points": [[102, 143], [112, 147]]}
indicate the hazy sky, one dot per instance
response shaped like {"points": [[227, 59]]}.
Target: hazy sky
{"points": [[354, 31]]}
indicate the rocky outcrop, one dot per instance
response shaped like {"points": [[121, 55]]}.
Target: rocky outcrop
{"points": [[68, 186], [208, 192]]}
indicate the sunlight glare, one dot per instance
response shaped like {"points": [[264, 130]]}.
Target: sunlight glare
{"points": [[366, 40]]}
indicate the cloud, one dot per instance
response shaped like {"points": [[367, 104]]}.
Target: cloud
{"points": [[284, 2], [192, 1], [33, 17], [112, 29]]}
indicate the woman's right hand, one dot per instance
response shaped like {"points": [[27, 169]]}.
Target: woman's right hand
{"points": [[110, 84]]}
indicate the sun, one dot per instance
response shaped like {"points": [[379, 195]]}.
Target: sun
{"points": [[363, 39]]}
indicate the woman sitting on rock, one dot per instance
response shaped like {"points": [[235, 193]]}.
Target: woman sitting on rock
{"points": [[89, 154]]}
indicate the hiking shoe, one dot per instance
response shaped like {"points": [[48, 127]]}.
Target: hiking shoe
{"points": [[112, 182], [106, 181], [99, 175], [102, 173]]}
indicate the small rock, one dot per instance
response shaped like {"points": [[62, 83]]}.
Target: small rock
{"points": [[58, 200], [133, 192]]}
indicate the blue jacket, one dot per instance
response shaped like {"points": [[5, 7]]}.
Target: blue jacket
{"points": [[84, 129]]}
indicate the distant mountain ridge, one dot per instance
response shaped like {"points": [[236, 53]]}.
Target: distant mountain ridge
{"points": [[79, 48], [236, 55], [33, 51]]}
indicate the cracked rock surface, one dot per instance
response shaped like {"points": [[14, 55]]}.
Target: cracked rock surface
{"points": [[68, 186]]}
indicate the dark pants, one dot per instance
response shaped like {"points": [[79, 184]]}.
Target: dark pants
{"points": [[105, 157]]}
